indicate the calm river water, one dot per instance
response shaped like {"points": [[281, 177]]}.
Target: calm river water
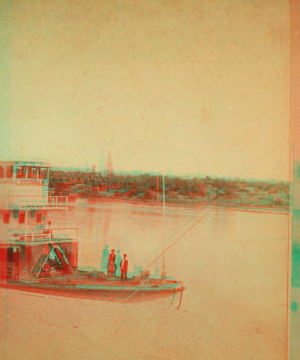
{"points": [[233, 264]]}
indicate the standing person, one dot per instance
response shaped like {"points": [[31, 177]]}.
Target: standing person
{"points": [[124, 267], [118, 262], [111, 263], [48, 230], [104, 259]]}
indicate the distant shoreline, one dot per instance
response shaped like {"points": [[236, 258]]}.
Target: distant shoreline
{"points": [[190, 203], [196, 192]]}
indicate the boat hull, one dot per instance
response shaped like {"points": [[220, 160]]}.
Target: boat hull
{"points": [[126, 293]]}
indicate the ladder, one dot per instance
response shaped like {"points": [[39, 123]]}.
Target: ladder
{"points": [[43, 258]]}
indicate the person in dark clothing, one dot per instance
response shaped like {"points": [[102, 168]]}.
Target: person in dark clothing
{"points": [[111, 263], [124, 267]]}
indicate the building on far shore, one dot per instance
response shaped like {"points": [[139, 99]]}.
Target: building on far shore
{"points": [[109, 166]]}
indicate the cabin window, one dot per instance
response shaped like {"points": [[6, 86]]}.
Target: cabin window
{"points": [[40, 173], [21, 172], [29, 172], [21, 217], [1, 172], [32, 213], [38, 217], [34, 172], [9, 171], [24, 169], [6, 218], [43, 173], [15, 214]]}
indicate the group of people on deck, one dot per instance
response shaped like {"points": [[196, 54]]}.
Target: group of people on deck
{"points": [[114, 264]]}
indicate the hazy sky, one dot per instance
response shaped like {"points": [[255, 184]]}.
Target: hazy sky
{"points": [[170, 86]]}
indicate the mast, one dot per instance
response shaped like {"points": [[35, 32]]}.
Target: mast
{"points": [[157, 197], [163, 274], [157, 189]]}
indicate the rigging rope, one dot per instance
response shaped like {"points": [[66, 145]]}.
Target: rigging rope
{"points": [[170, 237], [196, 221]]}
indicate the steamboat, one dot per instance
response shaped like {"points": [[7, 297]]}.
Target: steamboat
{"points": [[39, 251]]}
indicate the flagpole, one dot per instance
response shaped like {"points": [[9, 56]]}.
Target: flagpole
{"points": [[157, 198], [163, 274]]}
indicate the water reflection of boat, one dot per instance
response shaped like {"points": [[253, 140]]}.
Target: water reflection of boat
{"points": [[41, 256]]}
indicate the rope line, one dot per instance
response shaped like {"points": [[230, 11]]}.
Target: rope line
{"points": [[180, 237], [170, 237]]}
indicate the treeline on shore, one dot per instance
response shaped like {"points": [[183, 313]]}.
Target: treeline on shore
{"points": [[147, 187]]}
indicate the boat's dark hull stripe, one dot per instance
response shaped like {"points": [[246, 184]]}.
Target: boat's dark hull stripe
{"points": [[127, 294]]}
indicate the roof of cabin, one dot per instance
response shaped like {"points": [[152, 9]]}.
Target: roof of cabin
{"points": [[25, 162]]}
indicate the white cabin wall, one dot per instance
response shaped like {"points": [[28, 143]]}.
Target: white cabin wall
{"points": [[25, 194]]}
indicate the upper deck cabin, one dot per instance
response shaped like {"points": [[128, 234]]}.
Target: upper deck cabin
{"points": [[25, 184]]}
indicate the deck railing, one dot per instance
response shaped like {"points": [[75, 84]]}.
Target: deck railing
{"points": [[30, 235], [47, 201], [58, 201]]}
